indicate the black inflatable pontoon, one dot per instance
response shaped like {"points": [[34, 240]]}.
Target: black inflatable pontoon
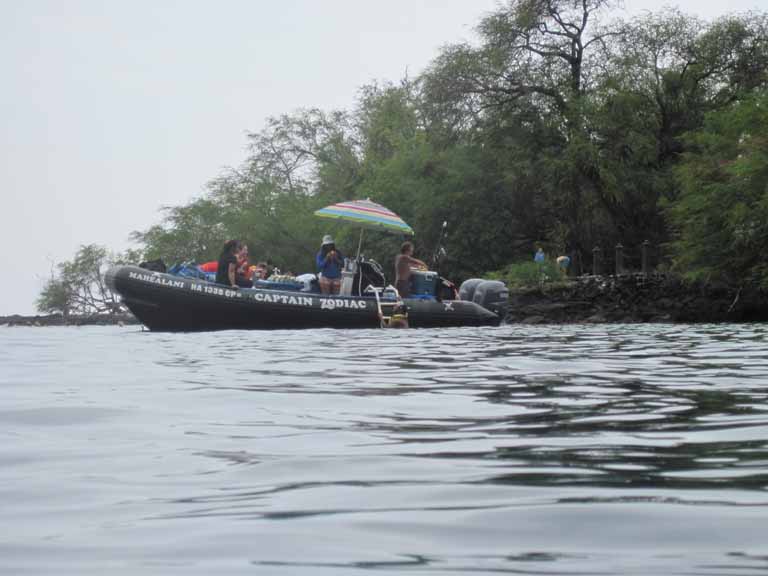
{"points": [[166, 302]]}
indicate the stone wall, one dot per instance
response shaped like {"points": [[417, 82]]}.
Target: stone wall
{"points": [[636, 298]]}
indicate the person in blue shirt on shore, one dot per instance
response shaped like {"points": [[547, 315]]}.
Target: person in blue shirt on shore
{"points": [[329, 265]]}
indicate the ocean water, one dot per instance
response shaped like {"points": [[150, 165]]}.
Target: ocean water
{"points": [[594, 449]]}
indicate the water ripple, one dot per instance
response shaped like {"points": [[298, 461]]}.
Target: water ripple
{"points": [[547, 450]]}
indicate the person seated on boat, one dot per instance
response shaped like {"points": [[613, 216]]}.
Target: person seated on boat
{"points": [[330, 262], [227, 266], [403, 264], [260, 271], [242, 260], [242, 275], [243, 267]]}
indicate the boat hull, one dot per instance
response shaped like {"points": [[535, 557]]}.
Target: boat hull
{"points": [[163, 302]]}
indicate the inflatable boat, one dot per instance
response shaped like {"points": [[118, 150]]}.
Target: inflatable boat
{"points": [[172, 302]]}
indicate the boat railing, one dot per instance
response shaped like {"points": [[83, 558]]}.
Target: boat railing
{"points": [[386, 308]]}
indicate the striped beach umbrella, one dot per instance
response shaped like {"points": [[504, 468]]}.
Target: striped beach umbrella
{"points": [[366, 214]]}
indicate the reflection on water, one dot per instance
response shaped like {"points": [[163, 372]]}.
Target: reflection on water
{"points": [[543, 450]]}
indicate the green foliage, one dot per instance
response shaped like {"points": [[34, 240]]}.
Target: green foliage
{"points": [[721, 215], [54, 298], [559, 126], [190, 232], [79, 286], [530, 274]]}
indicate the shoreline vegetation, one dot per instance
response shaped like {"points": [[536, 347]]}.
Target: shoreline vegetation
{"points": [[631, 144]]}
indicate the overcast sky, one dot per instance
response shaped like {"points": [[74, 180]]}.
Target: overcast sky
{"points": [[112, 109]]}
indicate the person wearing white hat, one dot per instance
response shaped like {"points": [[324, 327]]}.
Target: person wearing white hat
{"points": [[329, 265]]}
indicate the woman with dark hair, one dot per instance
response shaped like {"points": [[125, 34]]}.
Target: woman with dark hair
{"points": [[329, 264], [403, 264], [226, 272]]}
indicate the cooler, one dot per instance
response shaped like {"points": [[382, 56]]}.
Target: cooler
{"points": [[423, 283]]}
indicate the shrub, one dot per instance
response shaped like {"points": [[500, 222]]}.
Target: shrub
{"points": [[529, 274]]}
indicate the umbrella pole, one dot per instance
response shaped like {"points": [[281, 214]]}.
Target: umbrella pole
{"points": [[359, 244]]}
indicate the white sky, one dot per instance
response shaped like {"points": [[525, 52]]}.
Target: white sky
{"points": [[113, 109]]}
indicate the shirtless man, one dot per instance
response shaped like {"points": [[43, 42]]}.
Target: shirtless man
{"points": [[403, 264]]}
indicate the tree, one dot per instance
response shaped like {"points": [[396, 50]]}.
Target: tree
{"points": [[560, 126], [190, 232], [524, 95], [533, 52], [682, 68], [55, 298], [79, 287], [296, 152], [721, 215], [661, 77]]}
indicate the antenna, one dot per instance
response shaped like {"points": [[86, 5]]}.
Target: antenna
{"points": [[439, 250]]}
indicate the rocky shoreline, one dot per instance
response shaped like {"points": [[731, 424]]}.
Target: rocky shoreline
{"points": [[636, 298], [121, 319], [631, 298]]}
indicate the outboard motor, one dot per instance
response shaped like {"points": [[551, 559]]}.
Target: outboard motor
{"points": [[467, 288], [492, 295]]}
